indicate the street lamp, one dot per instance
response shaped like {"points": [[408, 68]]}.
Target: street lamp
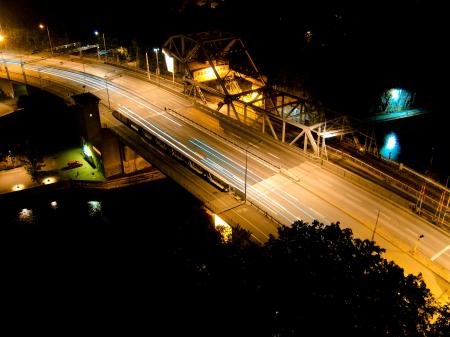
{"points": [[2, 39], [246, 165], [41, 26], [104, 44], [156, 50], [107, 91], [375, 227]]}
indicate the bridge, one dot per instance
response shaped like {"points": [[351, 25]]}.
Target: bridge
{"points": [[258, 180]]}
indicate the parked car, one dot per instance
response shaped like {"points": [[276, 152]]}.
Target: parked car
{"points": [[74, 164]]}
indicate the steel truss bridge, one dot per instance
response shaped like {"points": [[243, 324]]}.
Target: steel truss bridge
{"points": [[216, 66]]}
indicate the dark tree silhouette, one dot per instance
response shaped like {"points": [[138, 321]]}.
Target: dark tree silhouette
{"points": [[319, 278]]}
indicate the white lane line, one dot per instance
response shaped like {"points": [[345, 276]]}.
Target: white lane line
{"points": [[236, 135], [325, 182], [291, 195], [254, 145], [442, 251], [176, 101], [352, 197], [415, 233], [318, 213], [273, 155]]}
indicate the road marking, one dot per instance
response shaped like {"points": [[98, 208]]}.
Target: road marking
{"points": [[325, 182], [442, 251], [176, 101], [236, 135], [411, 231], [273, 155], [352, 197], [291, 195], [254, 145], [318, 213]]}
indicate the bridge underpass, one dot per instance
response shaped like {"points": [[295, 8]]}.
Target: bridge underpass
{"points": [[299, 189]]}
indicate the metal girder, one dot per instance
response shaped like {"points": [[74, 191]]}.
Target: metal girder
{"points": [[219, 64]]}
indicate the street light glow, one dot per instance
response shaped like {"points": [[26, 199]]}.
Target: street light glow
{"points": [[156, 50], [96, 32], [391, 142], [87, 151], [41, 26], [395, 94], [391, 148]]}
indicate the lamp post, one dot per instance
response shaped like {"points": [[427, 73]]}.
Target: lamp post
{"points": [[2, 39], [148, 68], [375, 227], [107, 91], [41, 26], [246, 166], [156, 50], [104, 44]]}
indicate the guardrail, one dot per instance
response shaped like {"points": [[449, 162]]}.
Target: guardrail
{"points": [[431, 214]]}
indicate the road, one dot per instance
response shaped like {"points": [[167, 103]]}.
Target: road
{"points": [[278, 179]]}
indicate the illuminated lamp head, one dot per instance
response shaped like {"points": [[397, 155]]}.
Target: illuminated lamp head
{"points": [[87, 151], [391, 147], [395, 94], [392, 140]]}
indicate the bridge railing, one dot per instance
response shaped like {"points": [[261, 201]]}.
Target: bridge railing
{"points": [[430, 203], [40, 80]]}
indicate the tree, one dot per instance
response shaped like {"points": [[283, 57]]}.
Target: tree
{"points": [[322, 280], [441, 326], [33, 161]]}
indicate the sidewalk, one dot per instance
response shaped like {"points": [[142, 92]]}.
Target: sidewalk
{"points": [[54, 169]]}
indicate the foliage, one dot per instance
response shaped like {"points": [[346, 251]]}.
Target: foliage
{"points": [[336, 284], [441, 326], [310, 280], [33, 161]]}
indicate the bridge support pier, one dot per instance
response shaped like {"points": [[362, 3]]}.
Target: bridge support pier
{"points": [[6, 87]]}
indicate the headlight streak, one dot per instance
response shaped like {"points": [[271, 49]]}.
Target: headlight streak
{"points": [[160, 133], [164, 115], [268, 204], [91, 83], [81, 79], [251, 177], [152, 128], [206, 148], [255, 158]]}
